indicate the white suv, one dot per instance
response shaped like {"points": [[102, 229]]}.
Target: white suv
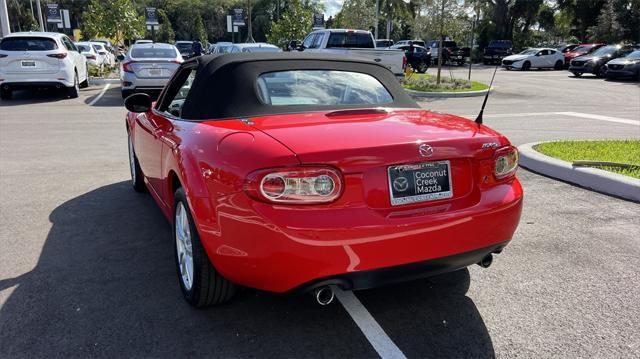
{"points": [[41, 59]]}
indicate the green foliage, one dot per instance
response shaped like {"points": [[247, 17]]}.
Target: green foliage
{"points": [[618, 151], [428, 83], [199, 32], [356, 14], [114, 19], [608, 27], [295, 23], [165, 33]]}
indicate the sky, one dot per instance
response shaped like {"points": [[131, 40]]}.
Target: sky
{"points": [[332, 7]]}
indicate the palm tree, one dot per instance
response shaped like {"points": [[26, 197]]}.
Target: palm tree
{"points": [[390, 8]]}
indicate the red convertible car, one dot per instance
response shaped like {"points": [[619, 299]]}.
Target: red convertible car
{"points": [[296, 172]]}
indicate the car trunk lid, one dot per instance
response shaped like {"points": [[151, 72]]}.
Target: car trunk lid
{"points": [[367, 143]]}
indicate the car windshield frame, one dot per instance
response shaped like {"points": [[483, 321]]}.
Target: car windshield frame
{"points": [[606, 50], [583, 48], [500, 44], [529, 52], [40, 39], [321, 88], [633, 55]]}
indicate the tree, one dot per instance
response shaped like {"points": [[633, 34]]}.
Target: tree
{"points": [[165, 34], [357, 14], [295, 23], [115, 19], [199, 32], [608, 28]]}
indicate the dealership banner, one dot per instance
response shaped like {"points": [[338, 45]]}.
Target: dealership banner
{"points": [[151, 16], [238, 17], [53, 13]]}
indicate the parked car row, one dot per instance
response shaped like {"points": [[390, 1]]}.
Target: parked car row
{"points": [[598, 59]]}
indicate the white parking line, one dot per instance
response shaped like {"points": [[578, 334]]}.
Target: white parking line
{"points": [[600, 117], [570, 114], [374, 333], [97, 98]]}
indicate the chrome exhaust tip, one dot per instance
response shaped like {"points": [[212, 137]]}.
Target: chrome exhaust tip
{"points": [[324, 295], [486, 261]]}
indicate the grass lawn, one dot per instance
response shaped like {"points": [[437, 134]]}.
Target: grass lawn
{"points": [[425, 82], [619, 151]]}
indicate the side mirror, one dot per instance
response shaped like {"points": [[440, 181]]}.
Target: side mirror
{"points": [[139, 102], [300, 48], [120, 57]]}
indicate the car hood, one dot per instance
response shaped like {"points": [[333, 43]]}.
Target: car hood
{"points": [[516, 57], [593, 58], [623, 61], [354, 140]]}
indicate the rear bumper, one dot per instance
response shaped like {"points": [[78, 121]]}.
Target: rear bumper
{"points": [[280, 248], [30, 85], [379, 277], [130, 81], [62, 77]]}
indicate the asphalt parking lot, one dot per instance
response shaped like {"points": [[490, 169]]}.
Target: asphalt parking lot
{"points": [[86, 264]]}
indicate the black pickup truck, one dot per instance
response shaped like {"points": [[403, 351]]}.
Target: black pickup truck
{"points": [[451, 52], [496, 51]]}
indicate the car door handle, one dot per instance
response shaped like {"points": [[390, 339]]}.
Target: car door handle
{"points": [[377, 59]]}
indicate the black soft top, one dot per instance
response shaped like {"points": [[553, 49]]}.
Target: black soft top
{"points": [[225, 84]]}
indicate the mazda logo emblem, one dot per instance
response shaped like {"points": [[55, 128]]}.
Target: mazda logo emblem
{"points": [[400, 184], [425, 150]]}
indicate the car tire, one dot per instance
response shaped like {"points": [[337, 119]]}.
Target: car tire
{"points": [[5, 94], [559, 65], [526, 66], [74, 90], [126, 93], [600, 71], [85, 83], [137, 177], [485, 62], [422, 67], [202, 285], [577, 74]]}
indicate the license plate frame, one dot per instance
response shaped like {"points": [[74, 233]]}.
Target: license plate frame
{"points": [[419, 183], [155, 72], [28, 64]]}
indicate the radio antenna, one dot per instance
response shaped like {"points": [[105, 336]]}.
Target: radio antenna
{"points": [[486, 96]]}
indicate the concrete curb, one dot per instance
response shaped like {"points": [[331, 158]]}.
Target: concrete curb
{"points": [[101, 81], [415, 93], [592, 178]]}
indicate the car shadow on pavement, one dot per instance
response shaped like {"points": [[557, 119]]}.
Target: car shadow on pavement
{"points": [[431, 318], [105, 285], [35, 96]]}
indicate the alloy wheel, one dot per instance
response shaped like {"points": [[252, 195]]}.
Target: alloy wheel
{"points": [[184, 246]]}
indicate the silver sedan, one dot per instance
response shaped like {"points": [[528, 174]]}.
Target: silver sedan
{"points": [[148, 67]]}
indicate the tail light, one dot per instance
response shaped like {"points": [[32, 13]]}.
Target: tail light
{"points": [[506, 162], [3, 55], [404, 62], [91, 57], [295, 185], [61, 55], [125, 66], [176, 62]]}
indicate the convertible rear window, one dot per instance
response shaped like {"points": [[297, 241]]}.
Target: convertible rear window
{"points": [[28, 44], [150, 52], [321, 87]]}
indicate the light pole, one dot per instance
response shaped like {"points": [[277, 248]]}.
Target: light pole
{"points": [[376, 24], [40, 15], [249, 31], [4, 19]]}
